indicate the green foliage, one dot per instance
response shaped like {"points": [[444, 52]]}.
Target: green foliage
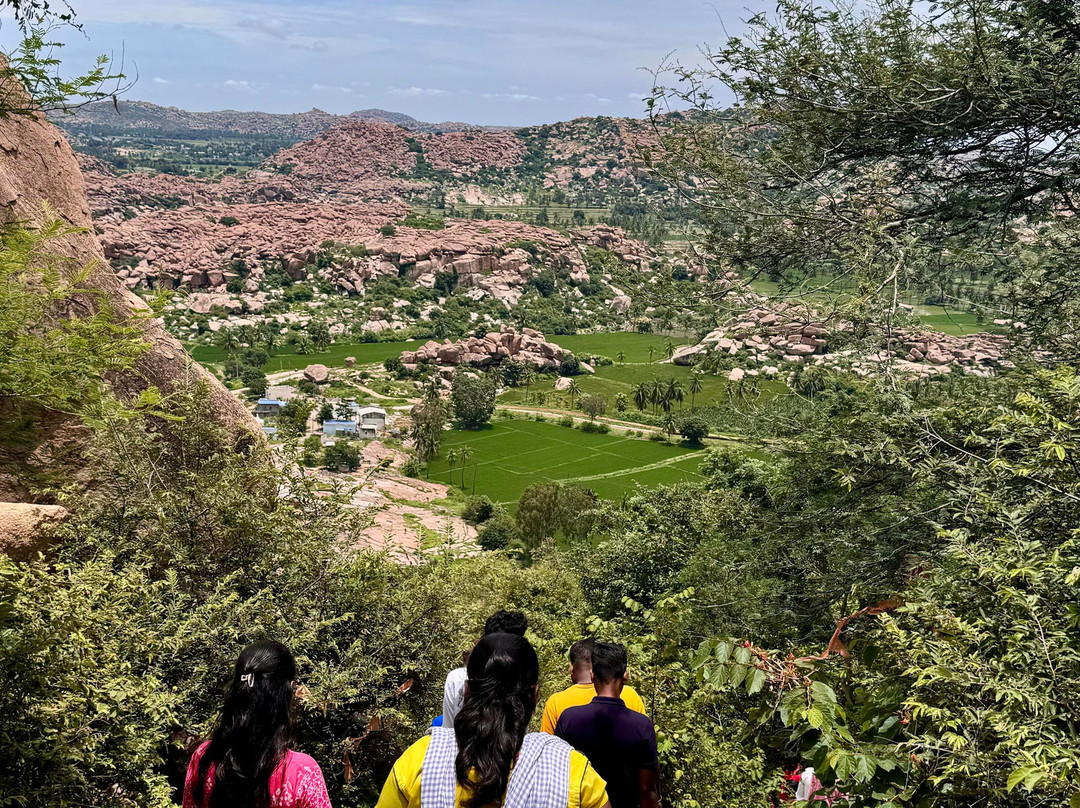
{"points": [[428, 420], [478, 509], [498, 533], [473, 399], [422, 222], [387, 230], [593, 405], [228, 221], [547, 508], [50, 363], [693, 429], [292, 420], [595, 428], [342, 455]]}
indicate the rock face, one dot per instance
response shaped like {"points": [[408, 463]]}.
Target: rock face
{"points": [[24, 528], [789, 332], [39, 165], [529, 347]]}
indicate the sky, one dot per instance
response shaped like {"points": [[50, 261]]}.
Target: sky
{"points": [[508, 62]]}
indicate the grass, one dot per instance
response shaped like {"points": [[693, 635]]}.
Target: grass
{"points": [[610, 380], [635, 346], [509, 456], [365, 353]]}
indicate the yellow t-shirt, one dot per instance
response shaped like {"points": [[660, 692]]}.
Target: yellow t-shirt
{"points": [[577, 696], [402, 789]]}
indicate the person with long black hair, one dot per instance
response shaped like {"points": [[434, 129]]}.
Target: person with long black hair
{"points": [[489, 758], [248, 763]]}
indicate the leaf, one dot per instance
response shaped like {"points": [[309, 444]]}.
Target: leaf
{"points": [[755, 681]]}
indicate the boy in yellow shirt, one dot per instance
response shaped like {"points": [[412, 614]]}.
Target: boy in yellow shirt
{"points": [[581, 692]]}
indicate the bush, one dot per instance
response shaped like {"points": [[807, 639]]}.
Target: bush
{"points": [[593, 405], [570, 366], [498, 532], [566, 420], [255, 381], [595, 427], [387, 230], [342, 454], [228, 221], [412, 468], [478, 509]]}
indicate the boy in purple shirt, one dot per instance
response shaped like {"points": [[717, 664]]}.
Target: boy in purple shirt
{"points": [[620, 743]]}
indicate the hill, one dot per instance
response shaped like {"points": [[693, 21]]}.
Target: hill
{"points": [[142, 117]]}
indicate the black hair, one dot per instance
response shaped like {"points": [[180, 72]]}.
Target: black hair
{"points": [[608, 662], [254, 729], [503, 673], [581, 652], [506, 623]]}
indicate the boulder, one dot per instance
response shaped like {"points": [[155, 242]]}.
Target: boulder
{"points": [[736, 375], [563, 383], [319, 374], [25, 528], [350, 361]]}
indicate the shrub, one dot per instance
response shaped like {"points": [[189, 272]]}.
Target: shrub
{"points": [[593, 405], [693, 429], [412, 468], [228, 221], [570, 366], [342, 454], [595, 427], [387, 230], [566, 420], [498, 532], [478, 509]]}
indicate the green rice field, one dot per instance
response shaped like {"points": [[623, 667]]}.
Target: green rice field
{"points": [[509, 456], [334, 356]]}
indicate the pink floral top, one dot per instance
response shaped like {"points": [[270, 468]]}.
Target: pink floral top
{"points": [[297, 782]]}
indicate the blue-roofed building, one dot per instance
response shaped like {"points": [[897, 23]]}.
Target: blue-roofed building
{"points": [[333, 427], [268, 406]]}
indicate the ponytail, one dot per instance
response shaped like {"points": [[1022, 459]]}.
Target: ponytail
{"points": [[503, 673], [254, 730]]}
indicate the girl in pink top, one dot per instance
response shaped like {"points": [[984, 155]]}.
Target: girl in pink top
{"points": [[247, 762]]}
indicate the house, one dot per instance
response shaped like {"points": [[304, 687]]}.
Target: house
{"points": [[333, 427], [372, 416], [282, 392], [268, 406], [367, 431]]}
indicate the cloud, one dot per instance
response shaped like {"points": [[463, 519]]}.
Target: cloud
{"points": [[241, 86], [271, 26], [316, 46], [512, 96], [160, 80], [421, 19], [323, 88], [416, 92]]}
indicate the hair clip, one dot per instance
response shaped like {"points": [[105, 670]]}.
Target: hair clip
{"points": [[248, 679]]}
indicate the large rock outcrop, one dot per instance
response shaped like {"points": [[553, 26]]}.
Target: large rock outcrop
{"points": [[37, 166]]}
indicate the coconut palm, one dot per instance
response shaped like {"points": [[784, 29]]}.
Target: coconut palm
{"points": [[621, 357], [228, 342], [695, 388], [465, 452], [669, 349], [452, 459], [656, 392], [270, 339], [641, 396], [528, 376], [675, 391], [652, 350], [670, 423], [573, 390]]}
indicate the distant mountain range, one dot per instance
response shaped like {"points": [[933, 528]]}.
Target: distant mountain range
{"points": [[105, 118]]}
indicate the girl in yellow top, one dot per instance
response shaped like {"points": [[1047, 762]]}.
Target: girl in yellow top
{"points": [[487, 759]]}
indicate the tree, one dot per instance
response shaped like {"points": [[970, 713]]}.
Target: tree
{"points": [[326, 412], [528, 376], [428, 420], [621, 357], [342, 454], [620, 402], [255, 381], [594, 406], [669, 349], [695, 388], [928, 168], [670, 422], [270, 338], [473, 398], [641, 396], [652, 350], [227, 341], [313, 453], [498, 533], [452, 458], [693, 429], [319, 333], [465, 452], [292, 420], [573, 390]]}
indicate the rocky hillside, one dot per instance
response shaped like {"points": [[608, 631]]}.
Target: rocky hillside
{"points": [[142, 117]]}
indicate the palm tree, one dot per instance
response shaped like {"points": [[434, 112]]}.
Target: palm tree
{"points": [[695, 388], [465, 452], [641, 396], [227, 341], [270, 337], [452, 458], [528, 376], [670, 423], [621, 356], [656, 392], [675, 391], [573, 390], [669, 348], [651, 351]]}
